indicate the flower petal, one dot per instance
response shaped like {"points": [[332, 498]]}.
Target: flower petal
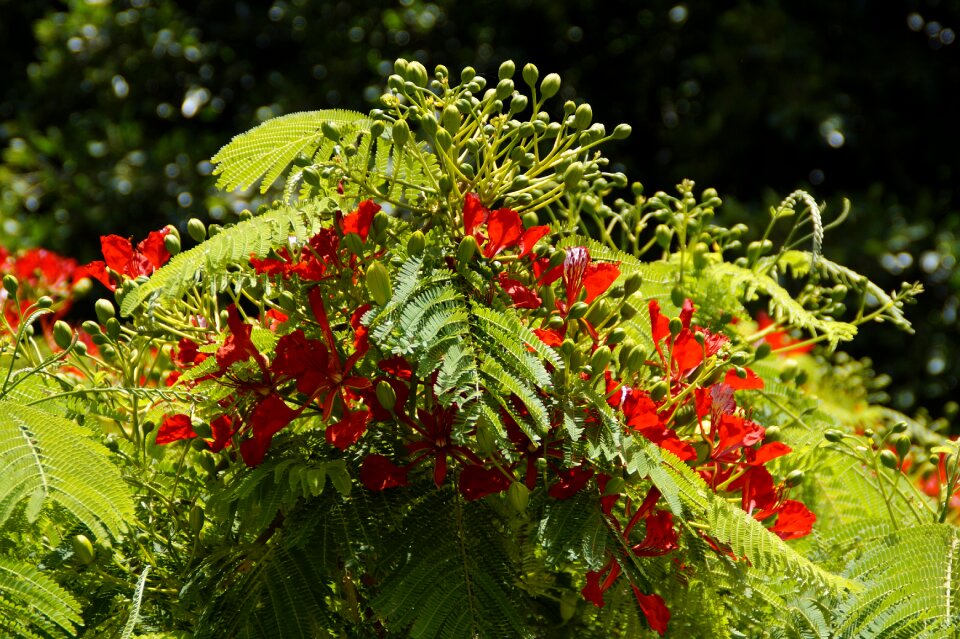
{"points": [[174, 428]]}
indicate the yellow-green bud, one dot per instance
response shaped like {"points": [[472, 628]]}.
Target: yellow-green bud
{"points": [[675, 326], [504, 89], [196, 229], [416, 243], [902, 443], [616, 336], [44, 302], [171, 243], [62, 334], [530, 74], [577, 311], [83, 549], [627, 312], [506, 70], [401, 132], [417, 73], [451, 119], [330, 131], [663, 235], [113, 328], [659, 391], [10, 284], [598, 312], [600, 359], [582, 117], [104, 310], [468, 246], [519, 496], [378, 283], [196, 518], [793, 478], [632, 284], [888, 459], [550, 85], [622, 131], [832, 435], [386, 395], [573, 175]]}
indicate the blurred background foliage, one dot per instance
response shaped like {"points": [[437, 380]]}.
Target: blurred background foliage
{"points": [[110, 110]]}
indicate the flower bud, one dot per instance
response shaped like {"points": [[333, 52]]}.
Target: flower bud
{"points": [[550, 85], [675, 326], [44, 302], [616, 336], [632, 284], [899, 427], [530, 74], [518, 495], [600, 358], [113, 328], [902, 443], [82, 549], [196, 230], [386, 395], [330, 131], [417, 73], [793, 478], [663, 235], [772, 434], [627, 311], [451, 119], [401, 133], [888, 459], [416, 243], [506, 71], [763, 351], [504, 89], [468, 246], [444, 141], [572, 176], [353, 243], [467, 75], [622, 131], [62, 334], [599, 311], [378, 283], [659, 391], [104, 310], [832, 435], [636, 359], [548, 296], [196, 518], [582, 117], [568, 606], [10, 284], [171, 242], [429, 125], [578, 310]]}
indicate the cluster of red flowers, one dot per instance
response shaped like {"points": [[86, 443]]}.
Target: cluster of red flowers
{"points": [[39, 273], [121, 259], [316, 374]]}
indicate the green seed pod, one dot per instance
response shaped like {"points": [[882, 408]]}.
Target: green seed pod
{"points": [[10, 284], [378, 283], [793, 478], [44, 302], [888, 458], [83, 549], [386, 395], [401, 133], [113, 328], [504, 89], [171, 243], [62, 334], [832, 435], [196, 518], [659, 391], [600, 358], [582, 117], [198, 231], [627, 312], [572, 176], [663, 235], [622, 131], [616, 336], [330, 131], [577, 311], [104, 310], [466, 250], [632, 284], [416, 243], [530, 74], [506, 71], [91, 328], [550, 85], [902, 443], [518, 495]]}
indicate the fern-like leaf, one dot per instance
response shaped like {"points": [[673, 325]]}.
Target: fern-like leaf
{"points": [[46, 457], [33, 605]]}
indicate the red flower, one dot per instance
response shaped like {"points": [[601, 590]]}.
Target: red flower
{"points": [[548, 336], [504, 228], [766, 452], [580, 272], [477, 482], [120, 256], [570, 481], [379, 473], [222, 430], [436, 432], [175, 428], [522, 296], [237, 347], [660, 538], [268, 418], [359, 221], [750, 382], [654, 609], [593, 591], [348, 430], [793, 520]]}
